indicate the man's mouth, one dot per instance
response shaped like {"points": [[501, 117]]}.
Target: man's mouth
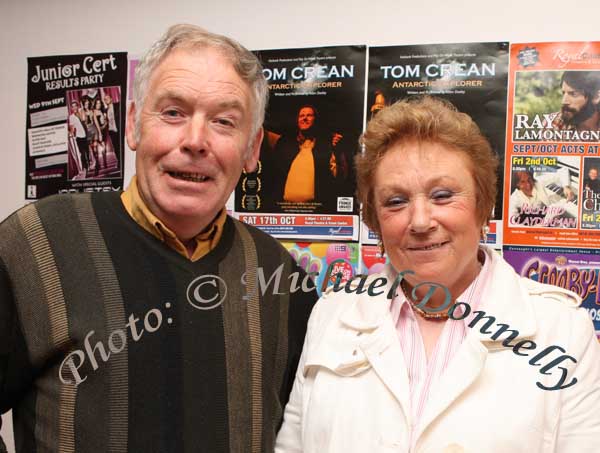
{"points": [[194, 177], [428, 247]]}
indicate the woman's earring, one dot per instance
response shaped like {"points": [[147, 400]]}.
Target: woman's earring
{"points": [[485, 229], [381, 247]]}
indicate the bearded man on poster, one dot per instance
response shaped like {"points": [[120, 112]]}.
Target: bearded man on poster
{"points": [[580, 108], [125, 321]]}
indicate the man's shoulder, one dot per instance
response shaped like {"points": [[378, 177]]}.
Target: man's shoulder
{"points": [[53, 206], [261, 238]]}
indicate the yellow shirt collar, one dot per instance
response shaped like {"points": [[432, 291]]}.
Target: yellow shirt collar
{"points": [[137, 209]]}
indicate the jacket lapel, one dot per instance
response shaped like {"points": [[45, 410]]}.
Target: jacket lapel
{"points": [[465, 367], [506, 299], [369, 317]]}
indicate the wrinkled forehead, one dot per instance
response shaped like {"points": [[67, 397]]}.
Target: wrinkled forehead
{"points": [[226, 66]]}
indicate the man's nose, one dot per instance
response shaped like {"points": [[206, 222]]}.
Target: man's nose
{"points": [[196, 135]]}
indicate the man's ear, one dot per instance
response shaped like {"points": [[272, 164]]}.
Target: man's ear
{"points": [[130, 134], [596, 98], [254, 152]]}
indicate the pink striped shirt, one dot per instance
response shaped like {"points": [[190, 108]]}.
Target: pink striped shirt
{"points": [[423, 375]]}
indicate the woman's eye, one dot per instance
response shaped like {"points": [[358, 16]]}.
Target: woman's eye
{"points": [[396, 201], [441, 195]]}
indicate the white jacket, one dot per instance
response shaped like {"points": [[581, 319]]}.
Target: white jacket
{"points": [[351, 388]]}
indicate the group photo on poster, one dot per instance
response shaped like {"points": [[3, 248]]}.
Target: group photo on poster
{"points": [[94, 140], [312, 125], [554, 135], [75, 123], [471, 76]]}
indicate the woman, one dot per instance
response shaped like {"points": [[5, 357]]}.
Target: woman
{"points": [[101, 123], [92, 130], [473, 363]]}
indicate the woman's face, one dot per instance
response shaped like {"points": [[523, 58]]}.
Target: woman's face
{"points": [[425, 200], [86, 104], [97, 104]]}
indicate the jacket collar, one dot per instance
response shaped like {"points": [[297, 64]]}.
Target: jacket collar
{"points": [[505, 298]]}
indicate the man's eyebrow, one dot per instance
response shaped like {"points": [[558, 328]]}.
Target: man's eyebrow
{"points": [[176, 96], [170, 95], [231, 104]]}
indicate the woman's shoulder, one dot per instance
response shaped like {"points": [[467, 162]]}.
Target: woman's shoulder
{"points": [[558, 311], [336, 299]]}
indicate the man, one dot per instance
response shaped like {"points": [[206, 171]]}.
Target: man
{"points": [[310, 166], [592, 182], [77, 130], [113, 114], [532, 200], [580, 100], [134, 322]]}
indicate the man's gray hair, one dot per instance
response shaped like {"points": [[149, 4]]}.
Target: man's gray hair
{"points": [[189, 36]]}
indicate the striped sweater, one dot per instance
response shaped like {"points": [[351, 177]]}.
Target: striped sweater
{"points": [[112, 342]]}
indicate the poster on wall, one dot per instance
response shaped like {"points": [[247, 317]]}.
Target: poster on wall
{"points": [[577, 270], [471, 76], [75, 123], [304, 185], [552, 160], [325, 261], [372, 260]]}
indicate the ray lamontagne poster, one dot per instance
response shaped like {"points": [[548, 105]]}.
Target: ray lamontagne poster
{"points": [[552, 147]]}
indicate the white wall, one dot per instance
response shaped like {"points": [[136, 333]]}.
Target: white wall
{"points": [[43, 27]]}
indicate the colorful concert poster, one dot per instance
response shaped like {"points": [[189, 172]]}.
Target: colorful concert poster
{"points": [[372, 261], [304, 184], [75, 123], [577, 270], [471, 76], [553, 136], [324, 261]]}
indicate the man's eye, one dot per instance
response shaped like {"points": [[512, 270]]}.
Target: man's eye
{"points": [[225, 122], [171, 113]]}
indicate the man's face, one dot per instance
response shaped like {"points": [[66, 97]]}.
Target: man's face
{"points": [[195, 127], [74, 107], [593, 173], [107, 100], [306, 118], [576, 107], [525, 184]]}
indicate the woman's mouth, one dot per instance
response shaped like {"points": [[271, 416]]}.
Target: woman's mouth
{"points": [[427, 247]]}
